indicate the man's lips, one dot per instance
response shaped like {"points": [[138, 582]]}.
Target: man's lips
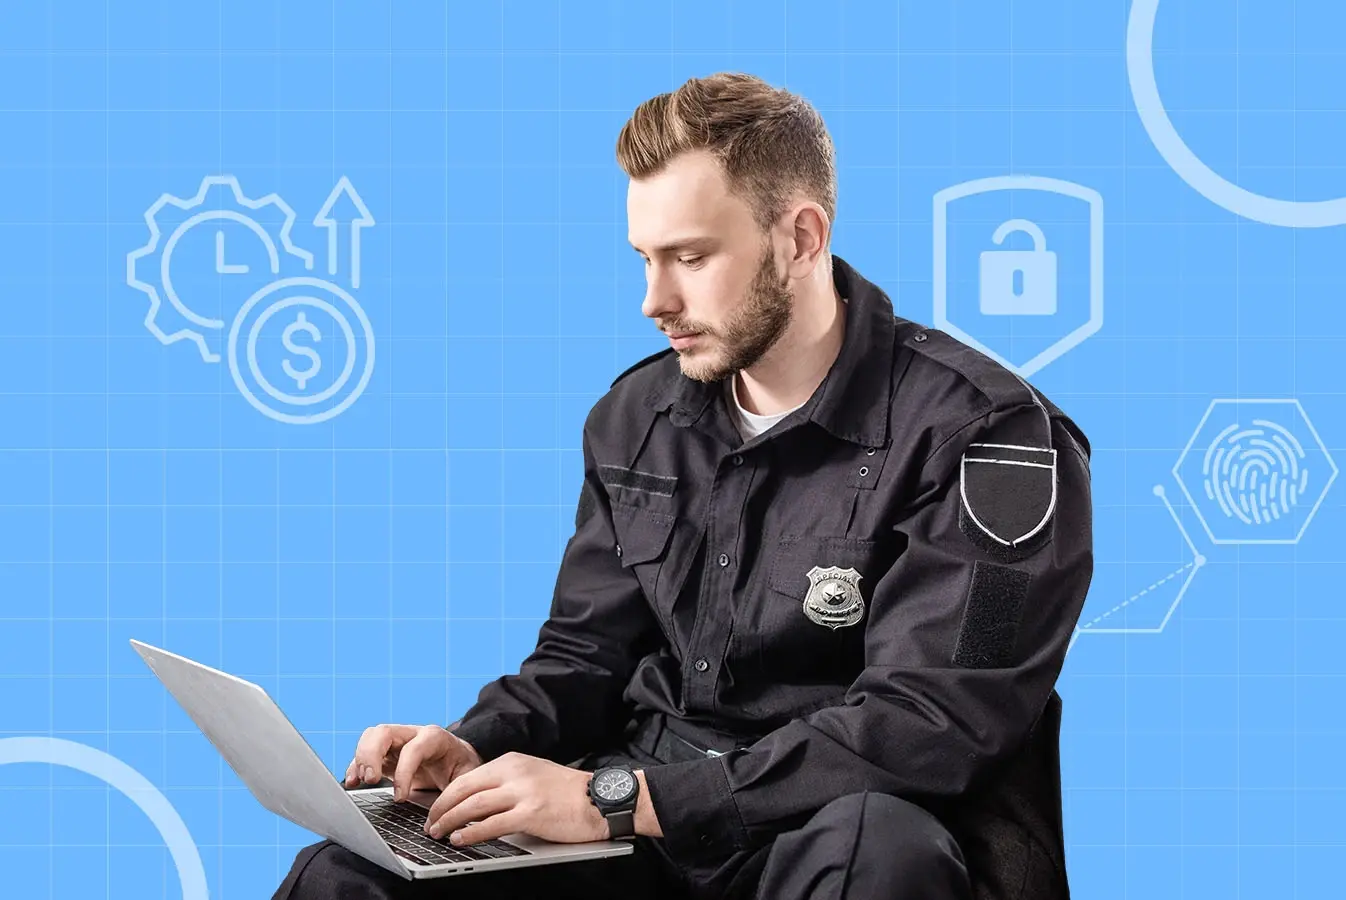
{"points": [[681, 340]]}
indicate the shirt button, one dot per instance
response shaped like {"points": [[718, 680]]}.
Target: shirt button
{"points": [[869, 451], [864, 470], [706, 840], [619, 551], [920, 337], [702, 665], [738, 459], [724, 559]]}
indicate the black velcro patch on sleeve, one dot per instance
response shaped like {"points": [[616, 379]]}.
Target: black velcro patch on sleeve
{"points": [[990, 625]]}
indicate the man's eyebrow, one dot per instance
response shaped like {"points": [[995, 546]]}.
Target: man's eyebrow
{"points": [[680, 244]]}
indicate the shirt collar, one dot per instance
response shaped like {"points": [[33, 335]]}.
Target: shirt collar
{"points": [[854, 398]]}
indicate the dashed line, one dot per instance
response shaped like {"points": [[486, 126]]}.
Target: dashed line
{"points": [[1168, 577]]}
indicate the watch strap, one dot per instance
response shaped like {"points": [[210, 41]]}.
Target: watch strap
{"points": [[621, 824]]}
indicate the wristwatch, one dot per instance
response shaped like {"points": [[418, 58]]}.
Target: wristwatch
{"points": [[614, 789]]}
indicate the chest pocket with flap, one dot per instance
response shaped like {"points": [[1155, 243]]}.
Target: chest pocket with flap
{"points": [[642, 539], [642, 534]]}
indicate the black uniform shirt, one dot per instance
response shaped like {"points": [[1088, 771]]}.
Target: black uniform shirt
{"points": [[876, 593]]}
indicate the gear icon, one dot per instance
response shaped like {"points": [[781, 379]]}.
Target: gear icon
{"points": [[160, 288]]}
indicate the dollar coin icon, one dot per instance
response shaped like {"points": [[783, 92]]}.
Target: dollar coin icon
{"points": [[294, 351], [287, 337]]}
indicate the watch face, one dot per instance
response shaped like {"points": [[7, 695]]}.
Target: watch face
{"points": [[614, 784]]}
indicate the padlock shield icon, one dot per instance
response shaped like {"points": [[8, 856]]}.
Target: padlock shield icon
{"points": [[1018, 282], [1012, 303]]}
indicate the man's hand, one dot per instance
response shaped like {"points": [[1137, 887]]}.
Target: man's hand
{"points": [[415, 757], [519, 793]]}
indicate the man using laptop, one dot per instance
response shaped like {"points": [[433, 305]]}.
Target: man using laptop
{"points": [[826, 565]]}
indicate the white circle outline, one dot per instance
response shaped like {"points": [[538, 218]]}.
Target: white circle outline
{"points": [[289, 418], [346, 330], [1189, 167], [130, 783]]}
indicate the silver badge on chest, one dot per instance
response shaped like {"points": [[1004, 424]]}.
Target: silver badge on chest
{"points": [[834, 597]]}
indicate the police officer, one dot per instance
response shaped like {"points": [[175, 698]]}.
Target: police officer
{"points": [[825, 568]]}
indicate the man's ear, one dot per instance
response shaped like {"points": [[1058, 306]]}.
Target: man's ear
{"points": [[809, 229]]}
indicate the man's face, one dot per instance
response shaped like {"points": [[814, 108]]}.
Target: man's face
{"points": [[709, 268]]}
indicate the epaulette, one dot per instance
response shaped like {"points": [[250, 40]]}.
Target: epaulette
{"points": [[995, 381], [644, 362]]}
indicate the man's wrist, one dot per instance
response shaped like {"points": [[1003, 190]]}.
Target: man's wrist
{"points": [[646, 821]]}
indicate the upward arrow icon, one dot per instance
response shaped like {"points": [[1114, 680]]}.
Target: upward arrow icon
{"points": [[359, 218]]}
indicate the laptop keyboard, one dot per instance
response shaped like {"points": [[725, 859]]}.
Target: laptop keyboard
{"points": [[400, 824]]}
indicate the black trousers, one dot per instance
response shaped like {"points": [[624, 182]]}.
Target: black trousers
{"points": [[857, 847]]}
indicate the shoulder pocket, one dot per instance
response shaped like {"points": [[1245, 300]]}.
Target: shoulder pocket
{"points": [[642, 533]]}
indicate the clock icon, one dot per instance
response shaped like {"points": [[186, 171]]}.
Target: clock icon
{"points": [[207, 252], [221, 253]]}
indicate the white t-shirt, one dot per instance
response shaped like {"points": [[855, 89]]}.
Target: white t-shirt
{"points": [[749, 424]]}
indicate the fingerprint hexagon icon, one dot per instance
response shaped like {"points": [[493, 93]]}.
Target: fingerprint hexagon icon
{"points": [[1255, 471]]}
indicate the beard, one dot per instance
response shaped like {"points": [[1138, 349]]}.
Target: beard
{"points": [[751, 330]]}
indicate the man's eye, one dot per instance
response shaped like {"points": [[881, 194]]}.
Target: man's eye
{"points": [[690, 261]]}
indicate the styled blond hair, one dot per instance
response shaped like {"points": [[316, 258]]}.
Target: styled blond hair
{"points": [[771, 144]]}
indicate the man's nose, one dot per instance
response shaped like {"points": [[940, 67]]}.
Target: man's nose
{"points": [[660, 296]]}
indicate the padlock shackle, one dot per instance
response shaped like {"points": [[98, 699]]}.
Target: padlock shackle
{"points": [[1024, 225]]}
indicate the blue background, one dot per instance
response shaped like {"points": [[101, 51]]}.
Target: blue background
{"points": [[383, 565]]}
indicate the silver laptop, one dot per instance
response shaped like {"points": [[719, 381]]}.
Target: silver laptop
{"points": [[288, 778]]}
